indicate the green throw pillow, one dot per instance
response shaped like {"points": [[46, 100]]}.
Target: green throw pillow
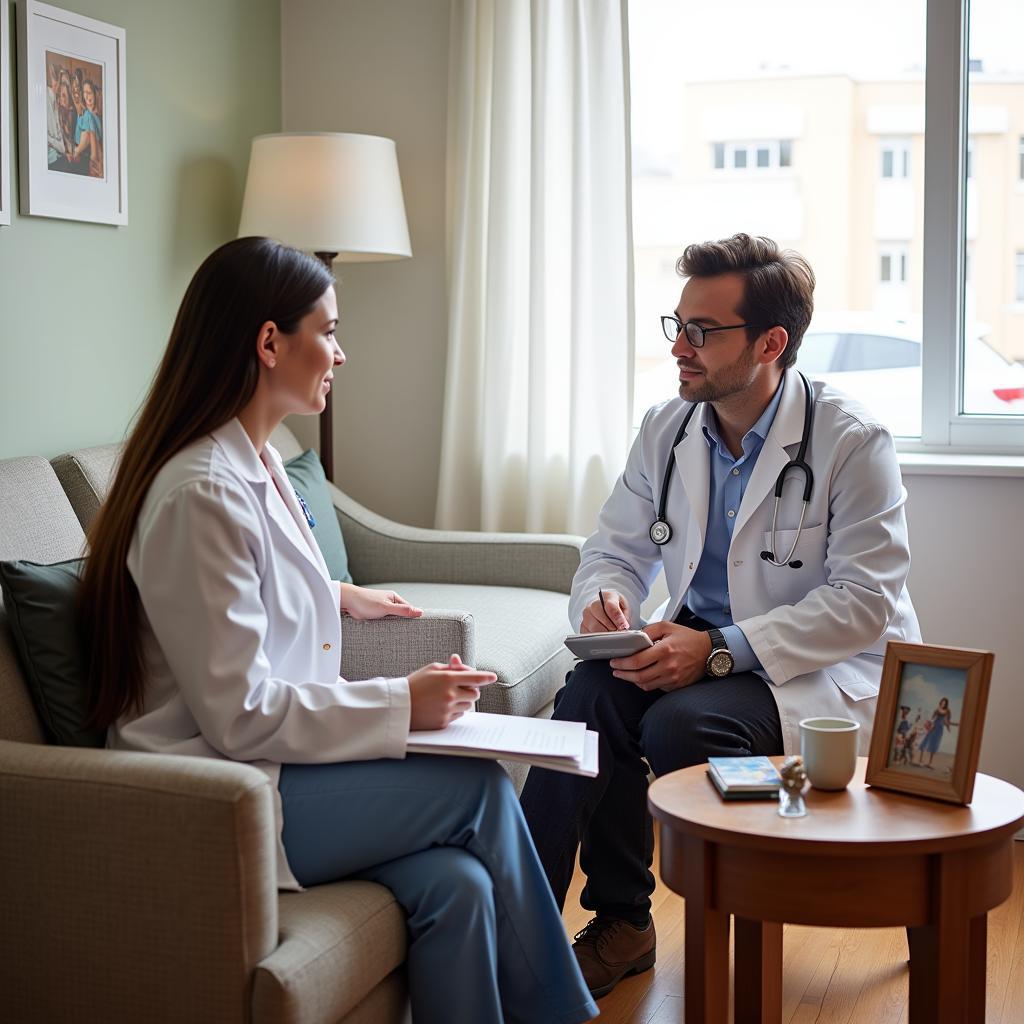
{"points": [[41, 605], [307, 477]]}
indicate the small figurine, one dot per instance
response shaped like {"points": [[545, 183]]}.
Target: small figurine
{"points": [[794, 778]]}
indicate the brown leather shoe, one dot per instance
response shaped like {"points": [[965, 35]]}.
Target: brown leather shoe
{"points": [[608, 949]]}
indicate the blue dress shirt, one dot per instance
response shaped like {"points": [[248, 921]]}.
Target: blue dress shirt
{"points": [[708, 595]]}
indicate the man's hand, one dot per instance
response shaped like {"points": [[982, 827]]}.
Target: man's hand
{"points": [[679, 657], [607, 613], [364, 603]]}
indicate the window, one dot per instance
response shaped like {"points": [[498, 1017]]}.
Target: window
{"points": [[744, 156], [941, 365], [895, 158]]}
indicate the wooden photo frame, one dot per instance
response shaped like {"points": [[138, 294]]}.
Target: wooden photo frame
{"points": [[928, 721], [5, 116], [72, 117]]}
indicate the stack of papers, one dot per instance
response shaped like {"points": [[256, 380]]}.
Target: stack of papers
{"points": [[562, 746]]}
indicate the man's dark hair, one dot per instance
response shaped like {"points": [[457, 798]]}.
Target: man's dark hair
{"points": [[778, 284]]}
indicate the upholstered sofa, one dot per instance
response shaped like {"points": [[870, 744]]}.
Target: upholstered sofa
{"points": [[138, 887]]}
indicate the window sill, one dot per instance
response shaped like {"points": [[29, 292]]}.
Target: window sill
{"points": [[946, 464]]}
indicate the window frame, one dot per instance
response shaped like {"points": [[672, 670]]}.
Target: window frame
{"points": [[944, 428]]}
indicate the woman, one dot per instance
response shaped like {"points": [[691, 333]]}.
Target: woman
{"points": [[87, 155], [215, 630], [942, 719]]}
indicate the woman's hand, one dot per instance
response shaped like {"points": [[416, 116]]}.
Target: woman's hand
{"points": [[364, 603], [439, 694]]}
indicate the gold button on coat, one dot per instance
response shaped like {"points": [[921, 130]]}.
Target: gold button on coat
{"points": [[327, 647]]}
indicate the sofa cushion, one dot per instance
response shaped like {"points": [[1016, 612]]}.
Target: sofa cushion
{"points": [[307, 477], [338, 942], [41, 604], [520, 635], [86, 476], [36, 522]]}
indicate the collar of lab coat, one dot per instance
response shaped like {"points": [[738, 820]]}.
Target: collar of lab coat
{"points": [[693, 462], [241, 453]]}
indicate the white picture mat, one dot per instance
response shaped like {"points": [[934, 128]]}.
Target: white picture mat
{"points": [[52, 194], [5, 116]]}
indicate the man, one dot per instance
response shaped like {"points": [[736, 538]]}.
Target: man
{"points": [[770, 619]]}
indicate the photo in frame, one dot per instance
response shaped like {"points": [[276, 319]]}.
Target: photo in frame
{"points": [[5, 117], [928, 721], [72, 114]]}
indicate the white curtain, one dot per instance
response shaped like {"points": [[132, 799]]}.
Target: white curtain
{"points": [[539, 376]]}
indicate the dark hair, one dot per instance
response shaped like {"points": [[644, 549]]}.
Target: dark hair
{"points": [[208, 374], [778, 285]]}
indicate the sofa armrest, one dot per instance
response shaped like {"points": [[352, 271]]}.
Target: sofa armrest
{"points": [[395, 647], [381, 550], [142, 886]]}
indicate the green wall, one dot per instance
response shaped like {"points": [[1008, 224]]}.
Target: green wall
{"points": [[85, 309]]}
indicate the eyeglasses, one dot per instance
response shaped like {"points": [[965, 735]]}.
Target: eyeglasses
{"points": [[695, 334]]}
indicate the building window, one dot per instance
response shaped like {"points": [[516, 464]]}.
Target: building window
{"points": [[895, 158], [1020, 276], [892, 265], [748, 156]]}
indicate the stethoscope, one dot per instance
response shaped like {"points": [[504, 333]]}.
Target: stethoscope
{"points": [[661, 532]]}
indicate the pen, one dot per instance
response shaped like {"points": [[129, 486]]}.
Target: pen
{"points": [[600, 594]]}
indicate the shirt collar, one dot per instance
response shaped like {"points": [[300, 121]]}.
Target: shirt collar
{"points": [[759, 429]]}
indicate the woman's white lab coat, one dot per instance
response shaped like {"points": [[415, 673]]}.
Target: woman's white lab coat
{"points": [[819, 631], [242, 630]]}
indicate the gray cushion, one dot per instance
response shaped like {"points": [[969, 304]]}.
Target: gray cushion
{"points": [[86, 476], [307, 477], [41, 604], [338, 941], [519, 635]]}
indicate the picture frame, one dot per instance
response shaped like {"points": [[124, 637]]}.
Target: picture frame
{"points": [[929, 720], [5, 116], [72, 121]]}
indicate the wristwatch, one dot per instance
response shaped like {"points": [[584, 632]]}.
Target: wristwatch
{"points": [[720, 660]]}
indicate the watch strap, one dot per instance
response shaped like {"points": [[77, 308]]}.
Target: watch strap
{"points": [[717, 640]]}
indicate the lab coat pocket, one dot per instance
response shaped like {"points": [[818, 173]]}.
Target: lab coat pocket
{"points": [[788, 584], [852, 682]]}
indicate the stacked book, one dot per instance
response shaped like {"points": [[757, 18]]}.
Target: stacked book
{"points": [[562, 746], [744, 778]]}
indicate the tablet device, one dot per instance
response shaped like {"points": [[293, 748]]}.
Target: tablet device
{"points": [[620, 644]]}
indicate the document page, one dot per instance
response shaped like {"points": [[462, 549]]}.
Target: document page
{"points": [[506, 734]]}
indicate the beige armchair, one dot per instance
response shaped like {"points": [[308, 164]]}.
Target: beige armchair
{"points": [[137, 887]]}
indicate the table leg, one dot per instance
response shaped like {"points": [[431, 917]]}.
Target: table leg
{"points": [[758, 972], [706, 964], [947, 956]]}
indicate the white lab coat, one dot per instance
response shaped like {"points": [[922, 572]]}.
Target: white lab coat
{"points": [[242, 626], [820, 631]]}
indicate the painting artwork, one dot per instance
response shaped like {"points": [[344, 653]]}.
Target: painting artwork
{"points": [[72, 120]]}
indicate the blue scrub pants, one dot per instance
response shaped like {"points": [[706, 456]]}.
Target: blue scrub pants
{"points": [[447, 837]]}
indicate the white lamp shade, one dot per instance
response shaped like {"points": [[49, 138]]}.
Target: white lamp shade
{"points": [[327, 192]]}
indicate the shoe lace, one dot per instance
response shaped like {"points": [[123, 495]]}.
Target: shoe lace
{"points": [[596, 932]]}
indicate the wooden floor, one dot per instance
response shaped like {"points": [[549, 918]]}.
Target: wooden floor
{"points": [[838, 976]]}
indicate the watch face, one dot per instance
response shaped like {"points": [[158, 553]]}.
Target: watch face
{"points": [[720, 663]]}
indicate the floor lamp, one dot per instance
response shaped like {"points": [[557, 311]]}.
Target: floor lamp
{"points": [[334, 194]]}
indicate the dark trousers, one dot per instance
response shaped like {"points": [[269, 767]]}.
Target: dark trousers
{"points": [[607, 817]]}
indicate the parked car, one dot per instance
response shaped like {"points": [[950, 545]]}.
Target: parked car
{"points": [[877, 360]]}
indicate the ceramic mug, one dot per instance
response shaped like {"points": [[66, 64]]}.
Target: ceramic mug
{"points": [[829, 749]]}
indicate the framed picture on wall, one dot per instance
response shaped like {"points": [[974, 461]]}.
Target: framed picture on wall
{"points": [[928, 721], [5, 118], [72, 116]]}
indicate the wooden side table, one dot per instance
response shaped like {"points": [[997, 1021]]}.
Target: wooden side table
{"points": [[862, 857]]}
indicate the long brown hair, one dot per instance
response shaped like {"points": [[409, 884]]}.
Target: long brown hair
{"points": [[207, 375]]}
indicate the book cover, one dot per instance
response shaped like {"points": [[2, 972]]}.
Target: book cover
{"points": [[744, 774]]}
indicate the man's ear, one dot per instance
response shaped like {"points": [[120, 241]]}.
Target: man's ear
{"points": [[773, 344], [267, 344]]}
